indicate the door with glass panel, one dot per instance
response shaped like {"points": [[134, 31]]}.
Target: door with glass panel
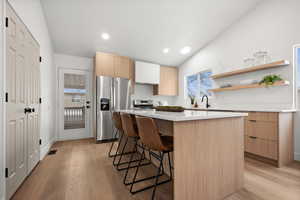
{"points": [[75, 104]]}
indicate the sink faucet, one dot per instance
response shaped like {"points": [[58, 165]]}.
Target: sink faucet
{"points": [[207, 105]]}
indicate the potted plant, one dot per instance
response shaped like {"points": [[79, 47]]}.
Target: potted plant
{"points": [[192, 98], [270, 80]]}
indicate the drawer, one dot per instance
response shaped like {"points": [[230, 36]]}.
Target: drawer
{"points": [[262, 129], [263, 116], [261, 147]]}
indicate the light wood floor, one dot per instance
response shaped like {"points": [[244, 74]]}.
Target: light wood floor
{"points": [[81, 170]]}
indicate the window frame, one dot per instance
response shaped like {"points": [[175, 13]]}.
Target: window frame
{"points": [[186, 96]]}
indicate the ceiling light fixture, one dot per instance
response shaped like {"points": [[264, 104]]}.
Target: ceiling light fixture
{"points": [[166, 50], [185, 50], [105, 36]]}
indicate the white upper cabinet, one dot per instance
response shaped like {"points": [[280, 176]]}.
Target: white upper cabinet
{"points": [[147, 73]]}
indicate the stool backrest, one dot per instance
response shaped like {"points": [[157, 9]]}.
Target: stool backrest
{"points": [[116, 117], [128, 125], [149, 133]]}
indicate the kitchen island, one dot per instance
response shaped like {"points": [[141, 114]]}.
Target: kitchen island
{"points": [[208, 151]]}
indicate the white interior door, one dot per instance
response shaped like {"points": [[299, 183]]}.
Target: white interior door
{"points": [[33, 120], [22, 87], [75, 105], [16, 119]]}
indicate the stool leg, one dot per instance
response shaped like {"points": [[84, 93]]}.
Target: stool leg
{"points": [[122, 152], [112, 144], [130, 161], [118, 148], [149, 178], [157, 175], [136, 171], [127, 162], [170, 166], [162, 167]]}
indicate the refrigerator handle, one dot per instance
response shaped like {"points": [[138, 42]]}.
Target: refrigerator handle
{"points": [[112, 95], [115, 92]]}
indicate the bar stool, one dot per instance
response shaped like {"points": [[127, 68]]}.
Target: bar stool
{"points": [[152, 139], [130, 132], [118, 129]]}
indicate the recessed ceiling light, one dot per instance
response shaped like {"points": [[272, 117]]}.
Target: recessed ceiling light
{"points": [[166, 50], [105, 36], [185, 50]]}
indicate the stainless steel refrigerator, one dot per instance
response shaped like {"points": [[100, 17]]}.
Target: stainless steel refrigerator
{"points": [[113, 94]]}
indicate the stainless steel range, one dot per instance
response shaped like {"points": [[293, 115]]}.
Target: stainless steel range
{"points": [[142, 104]]}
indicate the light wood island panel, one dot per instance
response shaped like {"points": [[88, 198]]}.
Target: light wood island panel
{"points": [[208, 158]]}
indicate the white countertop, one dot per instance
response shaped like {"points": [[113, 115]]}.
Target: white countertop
{"points": [[245, 109], [187, 115]]}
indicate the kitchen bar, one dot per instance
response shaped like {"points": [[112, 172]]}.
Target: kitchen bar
{"points": [[208, 151]]}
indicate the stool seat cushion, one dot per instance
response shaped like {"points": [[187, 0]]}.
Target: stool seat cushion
{"points": [[167, 143]]}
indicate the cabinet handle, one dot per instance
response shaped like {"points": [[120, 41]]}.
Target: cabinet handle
{"points": [[252, 120], [252, 137]]}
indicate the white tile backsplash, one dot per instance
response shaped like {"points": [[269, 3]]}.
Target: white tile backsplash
{"points": [[145, 91]]}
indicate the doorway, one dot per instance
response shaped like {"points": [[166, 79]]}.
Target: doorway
{"points": [[74, 104]]}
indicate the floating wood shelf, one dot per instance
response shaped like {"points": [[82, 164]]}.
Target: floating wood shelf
{"points": [[253, 69], [238, 87]]}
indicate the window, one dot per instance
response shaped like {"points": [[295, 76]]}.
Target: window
{"points": [[199, 84]]}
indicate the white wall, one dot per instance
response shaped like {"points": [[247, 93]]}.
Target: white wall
{"points": [[75, 63], [32, 15], [273, 26], [2, 78], [145, 92]]}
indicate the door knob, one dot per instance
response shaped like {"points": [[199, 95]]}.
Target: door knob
{"points": [[88, 107], [32, 110], [27, 110]]}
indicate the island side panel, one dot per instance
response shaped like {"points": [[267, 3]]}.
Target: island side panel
{"points": [[208, 158], [285, 139]]}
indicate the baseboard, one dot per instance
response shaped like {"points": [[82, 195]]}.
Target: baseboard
{"points": [[297, 156], [45, 149], [74, 138]]}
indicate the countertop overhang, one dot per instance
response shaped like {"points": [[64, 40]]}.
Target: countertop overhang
{"points": [[187, 115], [237, 109]]}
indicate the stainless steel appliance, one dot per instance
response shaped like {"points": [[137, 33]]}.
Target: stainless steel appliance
{"points": [[142, 104], [113, 94]]}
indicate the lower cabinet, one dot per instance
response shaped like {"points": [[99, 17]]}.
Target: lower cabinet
{"points": [[262, 147], [270, 136]]}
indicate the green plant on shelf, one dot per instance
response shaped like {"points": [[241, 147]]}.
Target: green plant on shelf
{"points": [[270, 80]]}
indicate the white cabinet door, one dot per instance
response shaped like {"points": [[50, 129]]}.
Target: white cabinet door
{"points": [[147, 73]]}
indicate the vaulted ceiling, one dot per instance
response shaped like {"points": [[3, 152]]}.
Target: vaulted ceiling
{"points": [[140, 29]]}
